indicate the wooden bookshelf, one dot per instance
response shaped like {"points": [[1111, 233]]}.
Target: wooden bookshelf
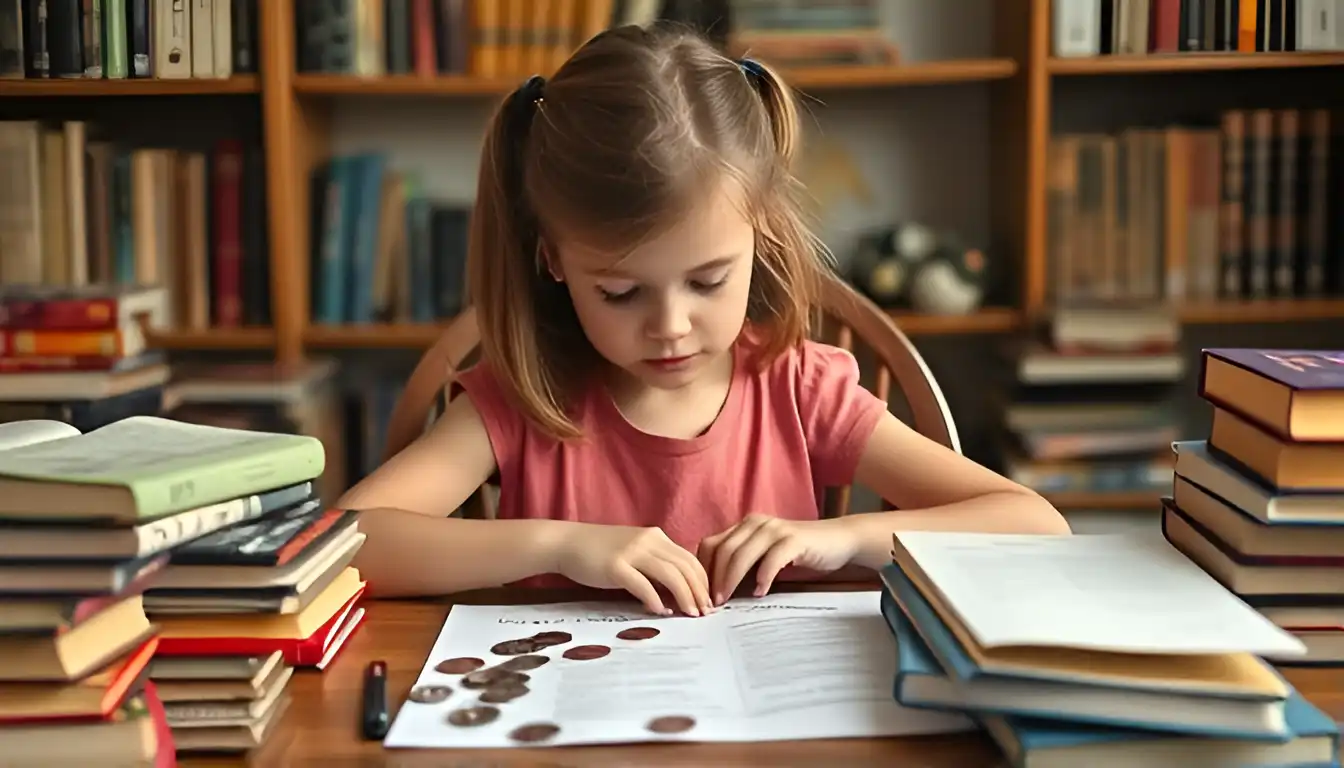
{"points": [[1283, 311], [232, 339], [238, 84], [986, 320], [820, 78], [1191, 62]]}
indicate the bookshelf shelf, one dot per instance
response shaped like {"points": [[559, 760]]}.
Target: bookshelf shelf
{"points": [[1281, 311], [239, 84], [1118, 500], [820, 78], [231, 339], [986, 320], [1191, 62]]}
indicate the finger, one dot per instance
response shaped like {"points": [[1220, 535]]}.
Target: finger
{"points": [[634, 582], [708, 545], [669, 575], [724, 554], [744, 557], [695, 576], [773, 561]]}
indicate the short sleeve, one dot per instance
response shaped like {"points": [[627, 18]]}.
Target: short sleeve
{"points": [[838, 415], [503, 423]]}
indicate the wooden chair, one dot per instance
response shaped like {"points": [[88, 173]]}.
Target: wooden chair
{"points": [[848, 315]]}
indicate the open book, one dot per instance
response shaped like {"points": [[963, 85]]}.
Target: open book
{"points": [[142, 468]]}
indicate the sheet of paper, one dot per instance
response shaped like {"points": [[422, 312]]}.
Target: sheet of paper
{"points": [[1112, 592], [790, 666]]}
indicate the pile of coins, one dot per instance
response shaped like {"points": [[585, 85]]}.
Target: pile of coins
{"points": [[508, 680]]}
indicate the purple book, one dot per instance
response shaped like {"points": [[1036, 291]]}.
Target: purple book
{"points": [[1291, 368]]}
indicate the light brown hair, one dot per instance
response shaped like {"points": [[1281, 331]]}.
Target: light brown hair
{"points": [[630, 133]]}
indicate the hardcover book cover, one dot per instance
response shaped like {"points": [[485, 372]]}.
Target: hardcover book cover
{"points": [[1292, 368]]}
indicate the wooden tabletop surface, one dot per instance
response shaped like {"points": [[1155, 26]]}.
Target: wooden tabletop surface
{"points": [[321, 725]]}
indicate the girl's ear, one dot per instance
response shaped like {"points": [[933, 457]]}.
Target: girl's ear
{"points": [[547, 260]]}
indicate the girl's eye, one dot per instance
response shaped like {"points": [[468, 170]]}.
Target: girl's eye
{"points": [[613, 297], [708, 287]]}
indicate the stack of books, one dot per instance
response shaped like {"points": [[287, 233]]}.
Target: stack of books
{"points": [[92, 521], [1108, 649], [242, 608], [79, 354], [1260, 503]]}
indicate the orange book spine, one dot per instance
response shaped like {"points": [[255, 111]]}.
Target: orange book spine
{"points": [[61, 343]]}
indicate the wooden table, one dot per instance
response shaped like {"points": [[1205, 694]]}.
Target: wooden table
{"points": [[321, 725]]}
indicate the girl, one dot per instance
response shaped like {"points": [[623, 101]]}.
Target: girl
{"points": [[647, 394]]}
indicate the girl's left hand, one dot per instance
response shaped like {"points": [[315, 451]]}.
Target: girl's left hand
{"points": [[823, 545]]}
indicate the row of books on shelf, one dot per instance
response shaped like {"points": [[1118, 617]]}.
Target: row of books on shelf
{"points": [[93, 209], [1243, 208], [1145, 27], [496, 39], [1252, 532], [383, 250], [116, 39], [137, 621]]}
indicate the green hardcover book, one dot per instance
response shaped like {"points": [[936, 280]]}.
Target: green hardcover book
{"points": [[146, 467], [116, 60]]}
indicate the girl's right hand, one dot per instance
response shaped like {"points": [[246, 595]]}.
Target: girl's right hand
{"points": [[630, 558]]}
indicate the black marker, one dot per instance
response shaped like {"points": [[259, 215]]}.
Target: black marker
{"points": [[375, 701]]}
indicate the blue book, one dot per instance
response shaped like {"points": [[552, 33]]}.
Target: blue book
{"points": [[1218, 474], [1035, 743], [935, 671]]}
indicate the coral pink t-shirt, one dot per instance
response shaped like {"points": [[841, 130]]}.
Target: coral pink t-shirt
{"points": [[783, 435]]}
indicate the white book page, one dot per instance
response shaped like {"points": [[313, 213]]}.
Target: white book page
{"points": [[1109, 592], [783, 667], [20, 433]]}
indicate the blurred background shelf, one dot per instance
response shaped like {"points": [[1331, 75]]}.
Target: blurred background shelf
{"points": [[236, 339], [1271, 311], [1191, 62], [809, 79], [1117, 501], [238, 84]]}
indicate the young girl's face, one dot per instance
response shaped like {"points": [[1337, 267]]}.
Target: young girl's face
{"points": [[673, 305]]}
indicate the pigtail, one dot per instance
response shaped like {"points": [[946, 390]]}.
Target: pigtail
{"points": [[504, 258], [780, 107]]}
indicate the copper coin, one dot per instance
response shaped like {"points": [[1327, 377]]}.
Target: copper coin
{"points": [[458, 666], [501, 694], [637, 633], [492, 676], [552, 638], [534, 732], [523, 663], [467, 716], [586, 652], [516, 647], [429, 694], [671, 724]]}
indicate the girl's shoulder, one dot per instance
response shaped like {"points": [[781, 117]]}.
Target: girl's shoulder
{"points": [[806, 370]]}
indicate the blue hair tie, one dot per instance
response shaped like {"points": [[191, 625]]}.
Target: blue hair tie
{"points": [[752, 69], [533, 89]]}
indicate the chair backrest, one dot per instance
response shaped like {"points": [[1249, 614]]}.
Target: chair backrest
{"points": [[849, 315]]}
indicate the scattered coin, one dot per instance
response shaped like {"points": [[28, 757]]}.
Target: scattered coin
{"points": [[534, 732], [468, 716], [547, 639], [637, 633], [516, 647], [458, 666], [429, 694], [671, 724], [523, 663], [492, 676], [503, 693], [586, 652]]}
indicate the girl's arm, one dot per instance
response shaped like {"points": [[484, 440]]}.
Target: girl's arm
{"points": [[937, 488], [413, 547]]}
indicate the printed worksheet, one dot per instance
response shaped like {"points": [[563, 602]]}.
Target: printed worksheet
{"points": [[782, 667]]}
